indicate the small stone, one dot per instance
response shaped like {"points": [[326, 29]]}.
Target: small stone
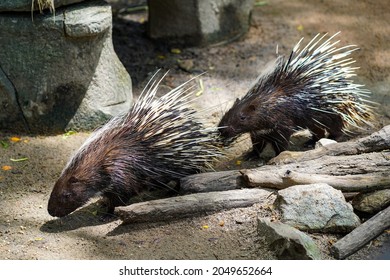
{"points": [[287, 242], [186, 64], [372, 202], [324, 142]]}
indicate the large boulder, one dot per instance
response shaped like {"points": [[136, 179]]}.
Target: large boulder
{"points": [[316, 208], [198, 22], [60, 71]]}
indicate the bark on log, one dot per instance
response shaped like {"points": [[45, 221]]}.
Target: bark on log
{"points": [[212, 181], [378, 141], [363, 234], [189, 205]]}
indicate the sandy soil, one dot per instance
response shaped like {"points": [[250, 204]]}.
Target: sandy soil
{"points": [[28, 232]]}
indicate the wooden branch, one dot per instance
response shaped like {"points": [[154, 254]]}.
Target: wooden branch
{"points": [[348, 183], [360, 173], [212, 181], [189, 205], [361, 235], [377, 141]]}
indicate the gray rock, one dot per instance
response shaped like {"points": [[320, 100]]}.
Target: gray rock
{"points": [[60, 73], [316, 208], [324, 142], [25, 5], [287, 242], [372, 202], [198, 22]]}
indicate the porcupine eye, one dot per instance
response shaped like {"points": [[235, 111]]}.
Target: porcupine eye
{"points": [[252, 108], [67, 195], [247, 113], [74, 186], [72, 180]]}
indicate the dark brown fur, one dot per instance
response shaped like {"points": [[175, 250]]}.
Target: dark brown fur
{"points": [[274, 118]]}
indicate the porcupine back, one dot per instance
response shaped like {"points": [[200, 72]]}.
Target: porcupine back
{"points": [[158, 140], [311, 89]]}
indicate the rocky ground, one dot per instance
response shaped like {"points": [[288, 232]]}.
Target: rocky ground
{"points": [[28, 232]]}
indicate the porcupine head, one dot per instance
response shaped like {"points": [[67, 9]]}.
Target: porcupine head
{"points": [[72, 190], [265, 112], [246, 116], [94, 169]]}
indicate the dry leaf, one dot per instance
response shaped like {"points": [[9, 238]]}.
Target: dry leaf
{"points": [[15, 139], [67, 134], [176, 51]]}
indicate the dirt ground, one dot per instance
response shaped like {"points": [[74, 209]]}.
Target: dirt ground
{"points": [[27, 231]]}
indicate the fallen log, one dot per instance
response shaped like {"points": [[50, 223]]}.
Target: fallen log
{"points": [[211, 182], [284, 178], [361, 173], [281, 179], [189, 205], [361, 235], [378, 141]]}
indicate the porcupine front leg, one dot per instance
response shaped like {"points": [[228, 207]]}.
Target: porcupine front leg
{"points": [[258, 145], [279, 139], [336, 129], [317, 133], [111, 200]]}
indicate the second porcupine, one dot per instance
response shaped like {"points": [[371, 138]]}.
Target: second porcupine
{"points": [[310, 89], [157, 141]]}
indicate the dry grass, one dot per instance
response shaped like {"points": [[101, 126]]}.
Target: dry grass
{"points": [[42, 5]]}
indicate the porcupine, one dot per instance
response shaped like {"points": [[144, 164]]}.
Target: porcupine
{"points": [[311, 89], [157, 141]]}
